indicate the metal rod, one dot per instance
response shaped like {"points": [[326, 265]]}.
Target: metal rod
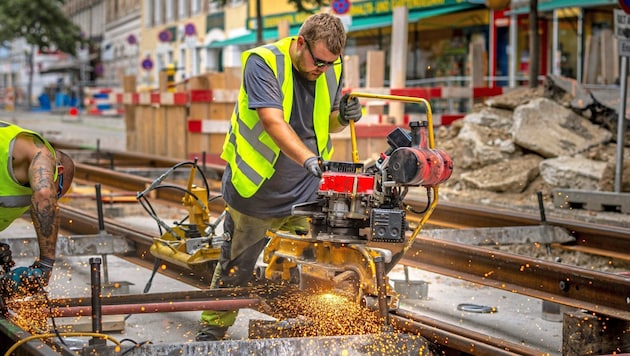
{"points": [[101, 227], [96, 311], [381, 287], [163, 297], [98, 151], [541, 207], [99, 207], [621, 123], [164, 307]]}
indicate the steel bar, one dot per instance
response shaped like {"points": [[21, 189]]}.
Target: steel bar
{"points": [[96, 311], [165, 307], [168, 297], [598, 292]]}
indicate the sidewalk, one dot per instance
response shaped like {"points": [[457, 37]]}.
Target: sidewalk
{"points": [[84, 130]]}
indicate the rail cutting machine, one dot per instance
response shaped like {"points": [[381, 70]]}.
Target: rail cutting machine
{"points": [[359, 229]]}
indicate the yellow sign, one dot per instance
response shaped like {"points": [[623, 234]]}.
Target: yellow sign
{"points": [[357, 9]]}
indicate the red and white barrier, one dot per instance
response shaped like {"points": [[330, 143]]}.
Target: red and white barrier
{"points": [[102, 101]]}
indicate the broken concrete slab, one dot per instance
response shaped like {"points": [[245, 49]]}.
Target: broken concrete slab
{"points": [[551, 130], [478, 145], [514, 98], [568, 91], [572, 172], [511, 176]]}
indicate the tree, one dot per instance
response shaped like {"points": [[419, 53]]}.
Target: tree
{"points": [[300, 6], [42, 24]]}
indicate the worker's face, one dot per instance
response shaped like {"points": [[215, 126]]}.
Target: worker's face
{"points": [[315, 58]]}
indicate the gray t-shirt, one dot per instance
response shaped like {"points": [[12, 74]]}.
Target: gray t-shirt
{"points": [[291, 184]]}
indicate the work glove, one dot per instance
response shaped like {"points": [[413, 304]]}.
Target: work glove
{"points": [[314, 166], [349, 109], [6, 260]]}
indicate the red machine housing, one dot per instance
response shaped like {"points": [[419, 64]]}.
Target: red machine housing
{"points": [[341, 182]]}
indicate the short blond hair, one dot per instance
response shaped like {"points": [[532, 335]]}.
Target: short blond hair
{"points": [[327, 28]]}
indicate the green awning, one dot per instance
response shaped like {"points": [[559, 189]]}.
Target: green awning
{"points": [[415, 15], [358, 24], [550, 5], [370, 22], [250, 38]]}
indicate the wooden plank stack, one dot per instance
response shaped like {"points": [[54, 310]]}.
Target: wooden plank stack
{"points": [[190, 122]]}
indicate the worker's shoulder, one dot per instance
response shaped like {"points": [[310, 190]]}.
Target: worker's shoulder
{"points": [[27, 144]]}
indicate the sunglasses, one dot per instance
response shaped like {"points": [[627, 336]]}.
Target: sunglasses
{"points": [[318, 62], [59, 180]]}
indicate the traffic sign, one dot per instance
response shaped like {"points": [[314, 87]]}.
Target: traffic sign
{"points": [[341, 7], [625, 5], [622, 24], [624, 48]]}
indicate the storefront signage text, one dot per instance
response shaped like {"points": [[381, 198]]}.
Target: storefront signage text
{"points": [[357, 9]]}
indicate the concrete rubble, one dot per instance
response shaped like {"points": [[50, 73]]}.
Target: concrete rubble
{"points": [[559, 136]]}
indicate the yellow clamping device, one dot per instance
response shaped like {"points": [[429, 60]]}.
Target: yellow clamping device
{"points": [[188, 245]]}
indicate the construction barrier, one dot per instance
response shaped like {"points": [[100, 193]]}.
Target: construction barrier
{"points": [[9, 99], [103, 101]]}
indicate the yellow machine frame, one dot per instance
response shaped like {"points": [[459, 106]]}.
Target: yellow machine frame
{"points": [[285, 251]]}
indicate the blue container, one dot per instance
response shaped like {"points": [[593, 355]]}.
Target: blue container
{"points": [[62, 100], [44, 102]]}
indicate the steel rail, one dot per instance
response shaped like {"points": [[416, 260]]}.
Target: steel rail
{"points": [[585, 289], [597, 238], [456, 337], [597, 292]]}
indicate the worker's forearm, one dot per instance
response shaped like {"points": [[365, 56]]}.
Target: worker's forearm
{"points": [[334, 124], [288, 141], [45, 216], [44, 208]]}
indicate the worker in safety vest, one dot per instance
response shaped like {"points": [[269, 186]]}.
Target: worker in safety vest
{"points": [[289, 102], [33, 176]]}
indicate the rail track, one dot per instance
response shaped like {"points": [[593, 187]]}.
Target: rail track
{"points": [[600, 292]]}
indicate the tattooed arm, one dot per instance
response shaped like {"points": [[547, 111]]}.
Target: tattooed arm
{"points": [[35, 164]]}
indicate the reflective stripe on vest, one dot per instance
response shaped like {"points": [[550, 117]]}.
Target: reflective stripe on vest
{"points": [[248, 148]]}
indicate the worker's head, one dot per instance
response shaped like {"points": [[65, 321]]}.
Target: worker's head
{"points": [[65, 173], [320, 43]]}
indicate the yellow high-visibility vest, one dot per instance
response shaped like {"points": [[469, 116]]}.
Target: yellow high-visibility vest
{"points": [[15, 199], [248, 148]]}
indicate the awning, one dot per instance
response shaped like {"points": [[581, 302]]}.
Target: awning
{"points": [[250, 38], [358, 24], [415, 15], [550, 5]]}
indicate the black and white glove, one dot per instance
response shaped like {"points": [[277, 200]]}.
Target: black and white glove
{"points": [[314, 166], [349, 109]]}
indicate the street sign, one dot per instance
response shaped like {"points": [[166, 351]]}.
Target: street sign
{"points": [[622, 24], [625, 5], [624, 48], [341, 7]]}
